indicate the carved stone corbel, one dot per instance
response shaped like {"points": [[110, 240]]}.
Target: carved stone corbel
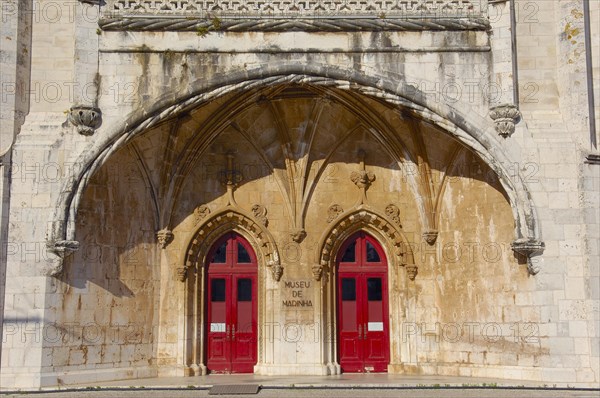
{"points": [[85, 118], [164, 237], [317, 271], [277, 272], [505, 117], [430, 236], [61, 249], [530, 249], [298, 235], [411, 271], [182, 273]]}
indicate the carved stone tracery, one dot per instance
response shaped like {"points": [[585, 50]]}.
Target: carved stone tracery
{"points": [[223, 222], [319, 9], [363, 218]]}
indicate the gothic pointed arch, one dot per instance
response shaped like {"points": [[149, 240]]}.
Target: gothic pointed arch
{"points": [[459, 121], [231, 220], [363, 218]]}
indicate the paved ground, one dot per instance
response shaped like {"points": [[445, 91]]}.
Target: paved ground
{"points": [[341, 386], [326, 393]]}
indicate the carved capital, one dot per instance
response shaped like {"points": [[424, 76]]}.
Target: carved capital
{"points": [[411, 271], [277, 272], [334, 212], [260, 213], [317, 271], [182, 273], [164, 237], [430, 236], [298, 235], [505, 117], [530, 249], [85, 118]]}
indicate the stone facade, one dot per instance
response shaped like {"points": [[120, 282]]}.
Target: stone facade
{"points": [[461, 135]]}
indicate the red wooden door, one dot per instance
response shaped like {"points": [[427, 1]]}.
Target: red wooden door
{"points": [[363, 335], [231, 306]]}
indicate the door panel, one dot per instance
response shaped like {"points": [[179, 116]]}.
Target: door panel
{"points": [[244, 330], [362, 306], [351, 352], [231, 307], [217, 339]]}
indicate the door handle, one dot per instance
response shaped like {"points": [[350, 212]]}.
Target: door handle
{"points": [[232, 332], [227, 329], [359, 332]]}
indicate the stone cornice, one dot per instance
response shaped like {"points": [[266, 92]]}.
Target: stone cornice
{"points": [[203, 26]]}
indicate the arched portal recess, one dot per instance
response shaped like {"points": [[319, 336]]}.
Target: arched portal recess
{"points": [[473, 132]]}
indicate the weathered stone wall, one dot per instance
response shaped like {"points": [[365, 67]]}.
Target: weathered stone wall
{"points": [[107, 297], [469, 279]]}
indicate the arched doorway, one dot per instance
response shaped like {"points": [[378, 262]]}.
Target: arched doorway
{"points": [[231, 297], [363, 330]]}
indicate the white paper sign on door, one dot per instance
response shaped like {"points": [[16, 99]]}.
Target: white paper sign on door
{"points": [[217, 327], [375, 326]]}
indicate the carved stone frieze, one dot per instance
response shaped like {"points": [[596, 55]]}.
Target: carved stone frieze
{"points": [[505, 118], [85, 118], [313, 9]]}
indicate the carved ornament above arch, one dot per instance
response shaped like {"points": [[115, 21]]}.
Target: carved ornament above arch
{"points": [[226, 220], [369, 220]]}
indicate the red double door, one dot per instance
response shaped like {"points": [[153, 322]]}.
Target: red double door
{"points": [[231, 329], [363, 333]]}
